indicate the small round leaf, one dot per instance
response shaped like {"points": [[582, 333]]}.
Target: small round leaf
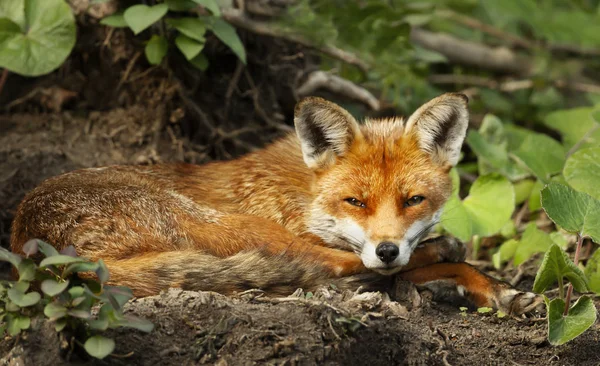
{"points": [[99, 346]]}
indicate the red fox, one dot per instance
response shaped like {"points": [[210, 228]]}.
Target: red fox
{"points": [[336, 202]]}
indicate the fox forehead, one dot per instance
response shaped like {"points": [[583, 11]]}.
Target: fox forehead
{"points": [[385, 162]]}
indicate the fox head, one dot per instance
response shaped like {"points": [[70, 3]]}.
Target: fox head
{"points": [[380, 187]]}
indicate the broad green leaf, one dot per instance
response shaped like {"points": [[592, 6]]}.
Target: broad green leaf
{"points": [[592, 272], [47, 249], [21, 299], [575, 212], [535, 199], [188, 46], [541, 154], [30, 247], [135, 322], [210, 5], [60, 324], [156, 49], [10, 257], [99, 346], [227, 34], [55, 311], [180, 5], [53, 288], [582, 171], [140, 17], [60, 259], [523, 190], [102, 272], [17, 323], [484, 212], [558, 265], [98, 324], [200, 62], [533, 241], [27, 270], [505, 252], [562, 329], [81, 267], [120, 294], [81, 314], [194, 28], [115, 21], [574, 124], [76, 291], [21, 286], [36, 36]]}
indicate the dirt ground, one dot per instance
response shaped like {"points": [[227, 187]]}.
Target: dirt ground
{"points": [[106, 106]]}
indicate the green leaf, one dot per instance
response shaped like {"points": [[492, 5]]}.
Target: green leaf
{"points": [[535, 199], [60, 324], [98, 324], [135, 322], [81, 314], [505, 252], [102, 272], [484, 212], [576, 212], [99, 346], [47, 249], [12, 258], [574, 125], [523, 190], [27, 270], [200, 62], [226, 33], [582, 171], [210, 5], [81, 267], [484, 310], [592, 272], [115, 21], [55, 311], [156, 49], [60, 259], [36, 36], [22, 299], [543, 155], [562, 329], [140, 17], [188, 46], [17, 323], [76, 291], [533, 241], [558, 265], [180, 5], [194, 28], [30, 247], [53, 288], [120, 294]]}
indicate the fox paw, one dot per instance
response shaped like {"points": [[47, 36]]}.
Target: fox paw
{"points": [[449, 249], [515, 302]]}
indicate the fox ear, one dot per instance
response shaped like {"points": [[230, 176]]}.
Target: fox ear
{"points": [[440, 126], [325, 130]]}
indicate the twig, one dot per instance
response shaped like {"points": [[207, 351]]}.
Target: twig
{"points": [[233, 83], [517, 278], [519, 216], [500, 59], [321, 79], [3, 78], [238, 19], [128, 69], [575, 261], [331, 327], [583, 139]]}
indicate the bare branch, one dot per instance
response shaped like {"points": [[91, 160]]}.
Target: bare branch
{"points": [[323, 80], [238, 19], [499, 59]]}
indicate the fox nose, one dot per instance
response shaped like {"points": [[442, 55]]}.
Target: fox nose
{"points": [[387, 252]]}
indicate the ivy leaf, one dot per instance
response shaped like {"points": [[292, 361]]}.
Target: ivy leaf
{"points": [[156, 49], [555, 266], [562, 329], [140, 17], [582, 171], [115, 21], [180, 5], [576, 212], [533, 241], [60, 259], [484, 212], [194, 28], [99, 346], [210, 5], [543, 155], [36, 36], [227, 34], [21, 299], [53, 288], [188, 46]]}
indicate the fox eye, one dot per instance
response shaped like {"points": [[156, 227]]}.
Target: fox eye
{"points": [[354, 202], [413, 201]]}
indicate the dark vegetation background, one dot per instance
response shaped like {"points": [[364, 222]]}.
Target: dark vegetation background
{"points": [[518, 60]]}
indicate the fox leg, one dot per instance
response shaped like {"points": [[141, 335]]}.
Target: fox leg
{"points": [[462, 279]]}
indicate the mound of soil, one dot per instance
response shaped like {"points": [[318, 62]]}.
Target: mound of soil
{"points": [[106, 106]]}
